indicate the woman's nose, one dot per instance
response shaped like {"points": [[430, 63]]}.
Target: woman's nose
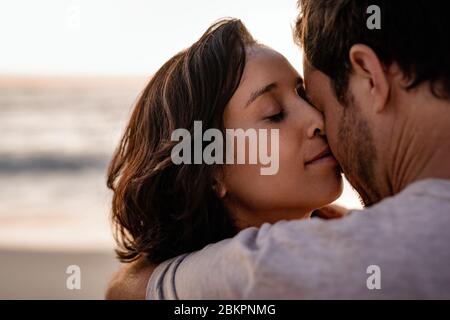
{"points": [[317, 125]]}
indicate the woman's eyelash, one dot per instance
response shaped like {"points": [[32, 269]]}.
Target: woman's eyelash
{"points": [[277, 117]]}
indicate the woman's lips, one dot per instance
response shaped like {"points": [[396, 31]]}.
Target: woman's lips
{"points": [[324, 160], [324, 157]]}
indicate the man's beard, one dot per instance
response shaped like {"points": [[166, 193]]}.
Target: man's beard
{"points": [[358, 155]]}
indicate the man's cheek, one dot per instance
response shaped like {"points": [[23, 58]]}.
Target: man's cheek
{"points": [[332, 132], [330, 124]]}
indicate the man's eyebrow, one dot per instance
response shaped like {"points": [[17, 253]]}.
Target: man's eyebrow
{"points": [[260, 92]]}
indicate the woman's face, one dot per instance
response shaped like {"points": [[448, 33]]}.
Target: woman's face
{"points": [[269, 97]]}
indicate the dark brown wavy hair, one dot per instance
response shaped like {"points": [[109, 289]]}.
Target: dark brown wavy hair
{"points": [[160, 209]]}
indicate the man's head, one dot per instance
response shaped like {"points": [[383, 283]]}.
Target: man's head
{"points": [[374, 85]]}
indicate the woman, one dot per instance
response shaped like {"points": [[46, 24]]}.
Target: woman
{"points": [[226, 80]]}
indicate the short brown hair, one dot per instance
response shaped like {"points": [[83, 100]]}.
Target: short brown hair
{"points": [[413, 34], [160, 209]]}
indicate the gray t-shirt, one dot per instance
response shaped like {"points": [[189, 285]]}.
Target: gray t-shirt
{"points": [[398, 248]]}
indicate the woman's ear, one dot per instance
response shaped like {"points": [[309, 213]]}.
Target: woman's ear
{"points": [[366, 65], [219, 185]]}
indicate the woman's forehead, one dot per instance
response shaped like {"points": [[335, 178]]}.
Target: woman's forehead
{"points": [[264, 66]]}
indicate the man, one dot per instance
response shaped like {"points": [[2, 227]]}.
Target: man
{"points": [[385, 95]]}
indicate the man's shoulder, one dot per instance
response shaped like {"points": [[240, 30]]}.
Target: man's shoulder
{"points": [[408, 230], [424, 203], [425, 200], [411, 220]]}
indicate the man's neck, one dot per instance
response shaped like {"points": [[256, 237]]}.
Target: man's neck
{"points": [[423, 146]]}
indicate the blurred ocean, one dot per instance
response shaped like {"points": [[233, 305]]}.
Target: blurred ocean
{"points": [[56, 139]]}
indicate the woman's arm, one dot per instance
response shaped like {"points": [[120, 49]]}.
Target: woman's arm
{"points": [[130, 282]]}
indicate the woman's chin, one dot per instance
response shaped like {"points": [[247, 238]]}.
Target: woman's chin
{"points": [[330, 192]]}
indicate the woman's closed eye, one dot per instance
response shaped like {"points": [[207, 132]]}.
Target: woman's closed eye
{"points": [[278, 117], [281, 115]]}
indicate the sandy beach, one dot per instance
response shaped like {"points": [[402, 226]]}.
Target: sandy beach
{"points": [[41, 274]]}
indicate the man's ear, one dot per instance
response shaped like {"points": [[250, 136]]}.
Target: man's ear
{"points": [[219, 184], [365, 63]]}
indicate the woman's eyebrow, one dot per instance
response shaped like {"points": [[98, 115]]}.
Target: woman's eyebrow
{"points": [[260, 92]]}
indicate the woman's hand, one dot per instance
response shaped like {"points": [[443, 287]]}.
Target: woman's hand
{"points": [[130, 282], [332, 211]]}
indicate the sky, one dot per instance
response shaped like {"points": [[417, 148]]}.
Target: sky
{"points": [[126, 37]]}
